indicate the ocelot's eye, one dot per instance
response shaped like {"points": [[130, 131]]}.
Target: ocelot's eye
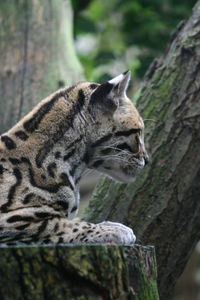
{"points": [[138, 130], [124, 146]]}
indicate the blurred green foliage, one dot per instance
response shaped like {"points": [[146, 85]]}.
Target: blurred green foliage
{"points": [[112, 36]]}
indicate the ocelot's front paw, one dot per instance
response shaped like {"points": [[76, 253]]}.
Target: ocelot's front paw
{"points": [[116, 232]]}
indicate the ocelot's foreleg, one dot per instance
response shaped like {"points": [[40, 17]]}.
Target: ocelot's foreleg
{"points": [[42, 227]]}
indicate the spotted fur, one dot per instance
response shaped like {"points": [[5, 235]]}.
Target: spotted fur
{"points": [[43, 157]]}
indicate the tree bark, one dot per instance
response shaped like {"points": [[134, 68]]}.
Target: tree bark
{"points": [[163, 205], [78, 272], [37, 54]]}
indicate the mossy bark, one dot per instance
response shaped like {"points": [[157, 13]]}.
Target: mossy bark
{"points": [[163, 205], [37, 54], [78, 272]]}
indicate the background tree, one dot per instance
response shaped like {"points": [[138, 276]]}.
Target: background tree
{"points": [[37, 54], [163, 205]]}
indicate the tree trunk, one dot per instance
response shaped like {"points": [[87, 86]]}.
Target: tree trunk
{"points": [[163, 205], [37, 54], [78, 272]]}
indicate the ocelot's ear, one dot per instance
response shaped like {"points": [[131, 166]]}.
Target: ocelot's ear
{"points": [[109, 93], [120, 83]]}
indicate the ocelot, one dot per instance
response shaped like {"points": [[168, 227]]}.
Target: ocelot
{"points": [[43, 157]]}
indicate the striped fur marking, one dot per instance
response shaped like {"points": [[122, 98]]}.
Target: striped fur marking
{"points": [[76, 141], [97, 163], [43, 215], [18, 175], [25, 160], [74, 209], [1, 169], [102, 140], [33, 123], [66, 181], [21, 135], [51, 169], [73, 169], [28, 198], [63, 126], [22, 227], [19, 218], [11, 193], [86, 158], [57, 155], [42, 228], [14, 161], [128, 132], [63, 204], [51, 188], [56, 227], [9, 143], [71, 153], [81, 100]]}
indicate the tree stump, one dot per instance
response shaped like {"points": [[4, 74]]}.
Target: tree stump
{"points": [[78, 272]]}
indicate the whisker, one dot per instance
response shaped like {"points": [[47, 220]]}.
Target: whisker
{"points": [[121, 159], [153, 120], [125, 152], [115, 148], [113, 144], [87, 172]]}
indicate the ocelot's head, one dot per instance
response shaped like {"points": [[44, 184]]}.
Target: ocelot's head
{"points": [[117, 147]]}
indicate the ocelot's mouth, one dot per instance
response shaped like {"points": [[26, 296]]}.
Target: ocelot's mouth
{"points": [[134, 167], [140, 162]]}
